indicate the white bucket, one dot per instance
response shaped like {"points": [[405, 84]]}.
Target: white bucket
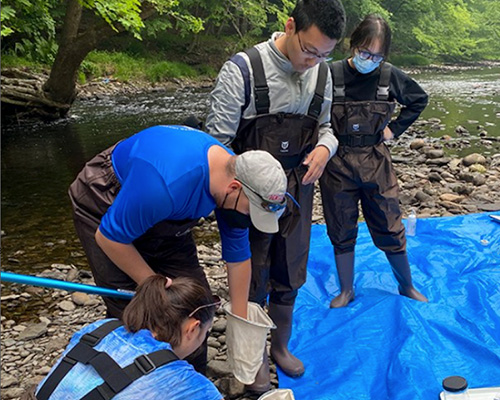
{"points": [[246, 341], [278, 394]]}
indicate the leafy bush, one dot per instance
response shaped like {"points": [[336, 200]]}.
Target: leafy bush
{"points": [[407, 60]]}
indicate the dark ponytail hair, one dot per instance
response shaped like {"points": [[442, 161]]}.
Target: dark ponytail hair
{"points": [[163, 310], [372, 27]]}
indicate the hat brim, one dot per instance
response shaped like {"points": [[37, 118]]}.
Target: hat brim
{"points": [[265, 221]]}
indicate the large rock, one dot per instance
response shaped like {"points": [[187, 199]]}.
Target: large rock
{"points": [[220, 325], [80, 299], [435, 153], [231, 387], [473, 158], [33, 331], [66, 305], [417, 144], [454, 198], [218, 368]]}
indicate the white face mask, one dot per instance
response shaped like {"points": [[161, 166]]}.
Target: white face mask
{"points": [[364, 66]]}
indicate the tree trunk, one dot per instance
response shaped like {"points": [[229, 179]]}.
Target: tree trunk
{"points": [[53, 99]]}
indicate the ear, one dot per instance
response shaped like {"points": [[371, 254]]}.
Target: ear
{"points": [[290, 27], [191, 329], [234, 185]]}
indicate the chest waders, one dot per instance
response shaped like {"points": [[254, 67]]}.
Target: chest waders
{"points": [[115, 377], [279, 260], [168, 247], [362, 171]]}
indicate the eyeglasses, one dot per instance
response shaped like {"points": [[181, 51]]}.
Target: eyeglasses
{"points": [[266, 204], [216, 303], [366, 55], [310, 53]]}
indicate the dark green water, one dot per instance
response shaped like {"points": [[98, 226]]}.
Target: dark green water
{"points": [[40, 161]]}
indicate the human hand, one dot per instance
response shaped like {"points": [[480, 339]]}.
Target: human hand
{"points": [[388, 135], [316, 162]]}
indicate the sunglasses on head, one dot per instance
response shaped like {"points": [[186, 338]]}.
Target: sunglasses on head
{"points": [[216, 304]]}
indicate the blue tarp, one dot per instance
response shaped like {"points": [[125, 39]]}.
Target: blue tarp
{"points": [[386, 346]]}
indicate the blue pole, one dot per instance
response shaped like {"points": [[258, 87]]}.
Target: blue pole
{"points": [[69, 286]]}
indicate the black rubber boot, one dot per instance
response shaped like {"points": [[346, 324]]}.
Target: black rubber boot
{"points": [[345, 270], [262, 381], [282, 317], [401, 270]]}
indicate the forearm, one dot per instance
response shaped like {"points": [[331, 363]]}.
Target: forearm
{"points": [[327, 138], [238, 276], [126, 257]]}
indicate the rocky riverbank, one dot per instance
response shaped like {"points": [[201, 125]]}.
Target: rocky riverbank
{"points": [[432, 182]]}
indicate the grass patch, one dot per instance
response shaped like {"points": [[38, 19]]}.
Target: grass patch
{"points": [[163, 70], [13, 61], [125, 67], [406, 60]]}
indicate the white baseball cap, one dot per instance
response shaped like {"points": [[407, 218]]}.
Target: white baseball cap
{"points": [[264, 183]]}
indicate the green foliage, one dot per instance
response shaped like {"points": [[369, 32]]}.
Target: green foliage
{"points": [[405, 60], [164, 70], [11, 61], [28, 28], [423, 30], [124, 67], [7, 14], [123, 12]]}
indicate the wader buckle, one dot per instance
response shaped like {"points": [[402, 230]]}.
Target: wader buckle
{"points": [[144, 364], [356, 140]]}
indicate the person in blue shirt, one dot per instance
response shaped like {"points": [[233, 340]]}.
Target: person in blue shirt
{"points": [[165, 314], [134, 205]]}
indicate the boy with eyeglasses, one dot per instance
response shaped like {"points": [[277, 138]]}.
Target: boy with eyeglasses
{"points": [[276, 97], [366, 89]]}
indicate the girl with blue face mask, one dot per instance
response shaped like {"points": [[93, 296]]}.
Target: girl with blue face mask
{"points": [[366, 90]]}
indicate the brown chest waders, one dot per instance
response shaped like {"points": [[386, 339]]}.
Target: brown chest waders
{"points": [[362, 171], [279, 260], [168, 247]]}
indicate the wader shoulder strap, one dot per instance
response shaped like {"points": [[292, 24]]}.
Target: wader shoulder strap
{"points": [[83, 350], [338, 81], [141, 366], [245, 73], [261, 89], [319, 94], [384, 81]]}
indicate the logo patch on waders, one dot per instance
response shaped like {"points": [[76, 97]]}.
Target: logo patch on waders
{"points": [[355, 127], [284, 147]]}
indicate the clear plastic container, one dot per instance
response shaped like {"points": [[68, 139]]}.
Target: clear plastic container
{"points": [[411, 223], [455, 388]]}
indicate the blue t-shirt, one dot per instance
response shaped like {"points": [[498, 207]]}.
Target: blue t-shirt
{"points": [[174, 381], [164, 175]]}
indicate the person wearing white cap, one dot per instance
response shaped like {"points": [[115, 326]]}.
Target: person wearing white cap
{"points": [[134, 205]]}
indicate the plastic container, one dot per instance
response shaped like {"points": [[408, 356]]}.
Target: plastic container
{"points": [[278, 394], [455, 388], [411, 224]]}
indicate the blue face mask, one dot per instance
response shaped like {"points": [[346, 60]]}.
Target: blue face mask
{"points": [[364, 66]]}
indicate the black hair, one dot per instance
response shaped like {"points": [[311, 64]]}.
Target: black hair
{"points": [[372, 27], [327, 15]]}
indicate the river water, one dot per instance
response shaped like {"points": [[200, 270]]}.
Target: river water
{"points": [[39, 161]]}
